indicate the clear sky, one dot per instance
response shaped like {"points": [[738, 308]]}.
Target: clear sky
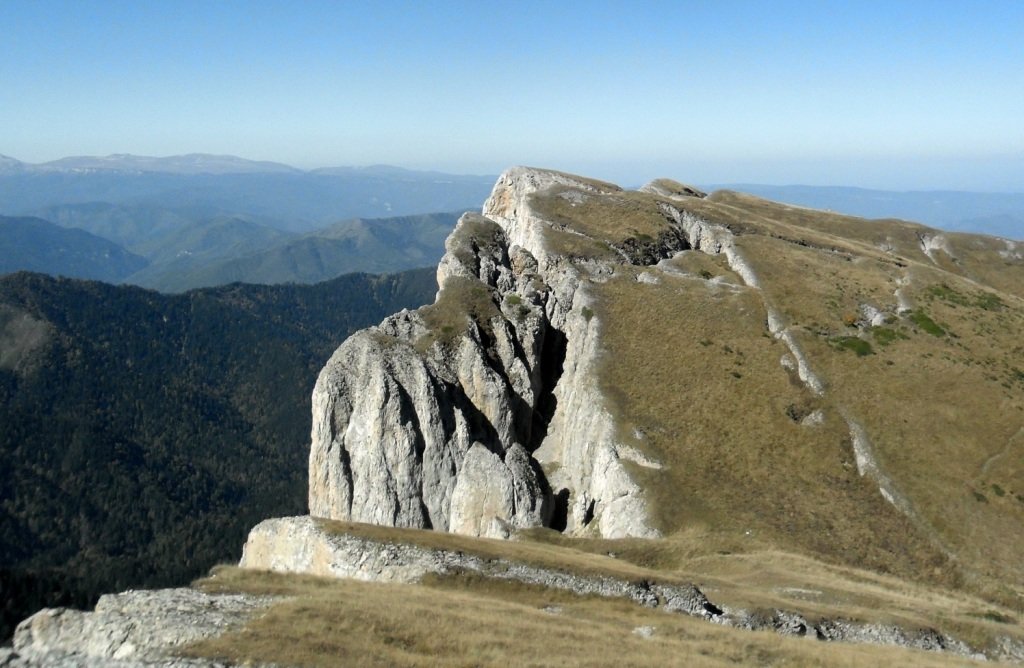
{"points": [[898, 94]]}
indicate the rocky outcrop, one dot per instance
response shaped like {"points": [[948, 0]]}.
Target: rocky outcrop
{"points": [[492, 495], [303, 545], [129, 630], [308, 545], [442, 418], [399, 407], [139, 629]]}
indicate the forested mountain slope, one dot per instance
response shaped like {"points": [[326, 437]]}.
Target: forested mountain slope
{"points": [[32, 244], [141, 435]]}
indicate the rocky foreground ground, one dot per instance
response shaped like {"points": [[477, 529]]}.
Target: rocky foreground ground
{"points": [[151, 628]]}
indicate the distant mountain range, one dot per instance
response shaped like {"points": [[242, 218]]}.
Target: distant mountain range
{"points": [[198, 185], [380, 245], [197, 220], [193, 163], [221, 250], [377, 245]]}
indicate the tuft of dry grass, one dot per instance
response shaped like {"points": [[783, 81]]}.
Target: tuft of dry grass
{"points": [[461, 302]]}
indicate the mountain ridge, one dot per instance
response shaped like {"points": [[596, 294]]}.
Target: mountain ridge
{"points": [[554, 253], [34, 244], [812, 414], [202, 163]]}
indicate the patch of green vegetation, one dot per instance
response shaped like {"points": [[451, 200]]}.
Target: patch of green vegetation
{"points": [[861, 347], [587, 312], [921, 319], [513, 299], [989, 302], [947, 294], [705, 274], [983, 300], [979, 497], [463, 299], [999, 491], [886, 335]]}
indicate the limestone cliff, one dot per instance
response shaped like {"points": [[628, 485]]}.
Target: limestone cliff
{"points": [[581, 369], [432, 419], [621, 363]]}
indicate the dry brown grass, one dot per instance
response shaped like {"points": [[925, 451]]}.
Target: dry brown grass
{"points": [[467, 622], [705, 386], [747, 572], [607, 218], [691, 366]]}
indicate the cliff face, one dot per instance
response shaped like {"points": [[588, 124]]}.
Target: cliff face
{"points": [[433, 418], [632, 363]]}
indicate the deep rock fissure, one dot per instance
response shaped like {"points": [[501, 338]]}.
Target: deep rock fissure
{"points": [[552, 364]]}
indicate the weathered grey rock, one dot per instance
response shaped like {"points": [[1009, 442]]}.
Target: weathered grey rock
{"points": [[672, 189], [492, 497], [397, 409], [580, 445], [305, 545], [134, 628], [395, 412]]}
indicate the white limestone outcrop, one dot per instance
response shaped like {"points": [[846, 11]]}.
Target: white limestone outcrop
{"points": [[440, 418], [132, 629]]}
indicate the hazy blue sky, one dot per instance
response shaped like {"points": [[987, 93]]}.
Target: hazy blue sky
{"points": [[925, 94]]}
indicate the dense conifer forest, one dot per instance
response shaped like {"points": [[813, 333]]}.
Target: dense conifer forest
{"points": [[142, 435]]}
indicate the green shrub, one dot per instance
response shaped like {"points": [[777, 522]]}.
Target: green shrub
{"points": [[886, 335], [921, 319], [989, 302], [859, 346]]}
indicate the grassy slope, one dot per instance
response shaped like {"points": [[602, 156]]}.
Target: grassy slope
{"points": [[690, 364], [466, 620]]}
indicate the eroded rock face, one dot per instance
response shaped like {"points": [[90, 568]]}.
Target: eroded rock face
{"points": [[436, 418], [398, 407], [493, 496]]}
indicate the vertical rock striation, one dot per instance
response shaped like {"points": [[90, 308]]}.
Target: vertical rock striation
{"points": [[439, 418]]}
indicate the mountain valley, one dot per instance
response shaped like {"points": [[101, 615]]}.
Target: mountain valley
{"points": [[142, 434]]}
